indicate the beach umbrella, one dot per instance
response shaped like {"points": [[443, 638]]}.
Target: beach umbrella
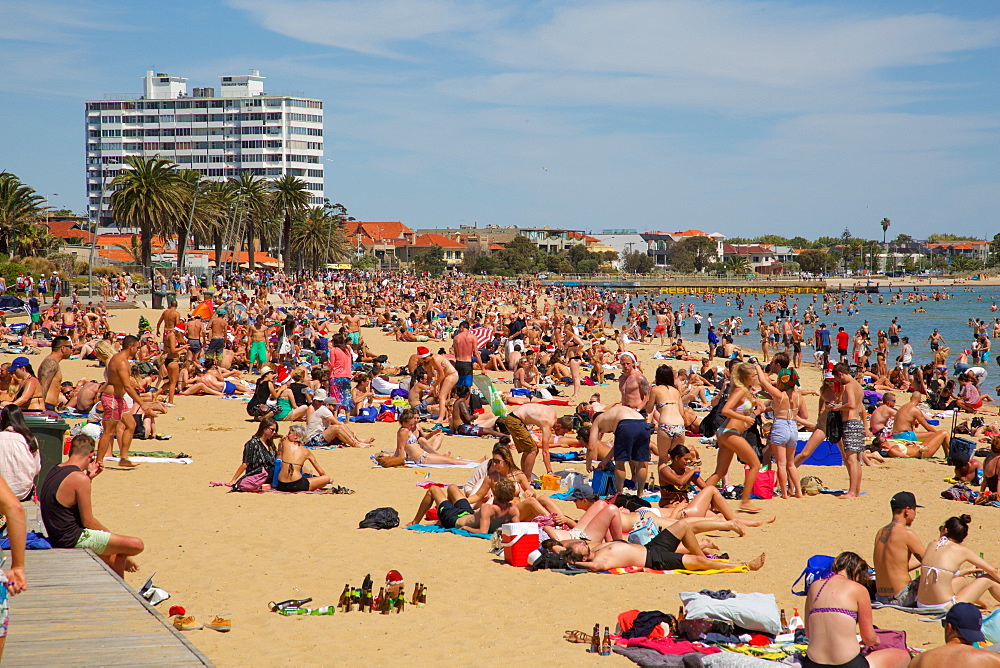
{"points": [[483, 335]]}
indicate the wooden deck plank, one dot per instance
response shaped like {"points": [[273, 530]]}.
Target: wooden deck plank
{"points": [[78, 612]]}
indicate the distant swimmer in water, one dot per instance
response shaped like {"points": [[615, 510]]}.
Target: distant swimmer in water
{"points": [[919, 310]]}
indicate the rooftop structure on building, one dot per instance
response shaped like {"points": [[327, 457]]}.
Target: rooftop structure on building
{"points": [[239, 128], [548, 239]]}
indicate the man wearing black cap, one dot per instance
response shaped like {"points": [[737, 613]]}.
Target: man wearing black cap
{"points": [[898, 551], [963, 625]]}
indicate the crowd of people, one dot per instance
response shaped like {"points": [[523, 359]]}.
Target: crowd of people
{"points": [[296, 349]]}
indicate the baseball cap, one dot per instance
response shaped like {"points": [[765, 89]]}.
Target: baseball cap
{"points": [[319, 395], [903, 500], [19, 363], [967, 620], [583, 491]]}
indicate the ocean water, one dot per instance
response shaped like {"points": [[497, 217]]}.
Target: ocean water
{"points": [[949, 316]]}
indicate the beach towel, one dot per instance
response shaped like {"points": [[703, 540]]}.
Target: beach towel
{"points": [[490, 393], [154, 460], [629, 570], [435, 528], [33, 541], [932, 614], [470, 465], [825, 454]]}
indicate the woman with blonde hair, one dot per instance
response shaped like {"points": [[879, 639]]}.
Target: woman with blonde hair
{"points": [[741, 409]]}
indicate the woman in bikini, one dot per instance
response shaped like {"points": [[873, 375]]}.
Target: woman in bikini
{"points": [[664, 406], [741, 409], [293, 457], [418, 446], [29, 390], [991, 467], [942, 580], [844, 607], [788, 410]]}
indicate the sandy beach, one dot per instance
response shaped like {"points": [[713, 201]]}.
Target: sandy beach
{"points": [[216, 551]]}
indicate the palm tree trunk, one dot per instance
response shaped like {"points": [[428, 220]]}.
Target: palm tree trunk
{"points": [[286, 236], [218, 250], [146, 248], [251, 255]]}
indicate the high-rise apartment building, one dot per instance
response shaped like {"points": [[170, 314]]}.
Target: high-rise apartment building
{"points": [[221, 133]]}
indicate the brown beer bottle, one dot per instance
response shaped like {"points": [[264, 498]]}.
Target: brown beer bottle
{"points": [[606, 645], [345, 598], [386, 604], [416, 594], [595, 640]]}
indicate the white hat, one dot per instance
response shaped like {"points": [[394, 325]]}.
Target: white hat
{"points": [[319, 395], [265, 369]]}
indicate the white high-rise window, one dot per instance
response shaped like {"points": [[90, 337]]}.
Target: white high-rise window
{"points": [[218, 132]]}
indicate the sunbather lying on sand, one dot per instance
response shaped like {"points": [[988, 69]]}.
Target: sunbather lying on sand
{"points": [[659, 554]]}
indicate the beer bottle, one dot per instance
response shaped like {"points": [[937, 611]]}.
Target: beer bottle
{"points": [[423, 596], [595, 640], [606, 645], [784, 620], [400, 603], [416, 594], [386, 603], [345, 597]]}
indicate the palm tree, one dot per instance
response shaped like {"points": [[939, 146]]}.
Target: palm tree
{"points": [[885, 228], [133, 249], [737, 264], [317, 238], [150, 195], [256, 208], [19, 206], [291, 197]]}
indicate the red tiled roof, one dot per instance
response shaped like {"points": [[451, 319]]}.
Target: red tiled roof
{"points": [[243, 257], [377, 232], [729, 249], [66, 229], [959, 245], [432, 239]]}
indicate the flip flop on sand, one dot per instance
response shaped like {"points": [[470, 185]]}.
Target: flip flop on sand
{"points": [[578, 637], [290, 603]]}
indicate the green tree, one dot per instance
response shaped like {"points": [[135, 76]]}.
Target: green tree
{"points": [[587, 266], [290, 197], [827, 242], [994, 257], [364, 262], [682, 261], [962, 264], [943, 238], [317, 238], [791, 267], [701, 251], [813, 261], [939, 262], [800, 242], [737, 265], [885, 228], [636, 262], [484, 264], [20, 205], [521, 256], [255, 210], [431, 261], [149, 195]]}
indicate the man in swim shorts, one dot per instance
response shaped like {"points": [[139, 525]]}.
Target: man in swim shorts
{"points": [[65, 501], [465, 347], [515, 424], [851, 407], [659, 554], [455, 511], [631, 443], [908, 417], [897, 546]]}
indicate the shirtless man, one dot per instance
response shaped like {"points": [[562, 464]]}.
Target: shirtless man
{"points": [[851, 407], [455, 511], [963, 626], [631, 443], [195, 331], [659, 554], [907, 419], [633, 385], [884, 416], [353, 323], [168, 319], [50, 374], [466, 423], [118, 376], [64, 498], [217, 330], [541, 415], [69, 324], [257, 343], [466, 350], [898, 551], [87, 394]]}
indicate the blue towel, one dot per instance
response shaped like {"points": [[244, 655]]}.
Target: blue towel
{"points": [[436, 528], [34, 541], [572, 456]]}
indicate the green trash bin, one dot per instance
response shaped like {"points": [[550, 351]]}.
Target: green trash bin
{"points": [[158, 299], [50, 433]]}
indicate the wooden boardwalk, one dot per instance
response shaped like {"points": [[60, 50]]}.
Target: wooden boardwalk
{"points": [[76, 611]]}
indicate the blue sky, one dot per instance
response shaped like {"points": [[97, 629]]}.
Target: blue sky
{"points": [[734, 116]]}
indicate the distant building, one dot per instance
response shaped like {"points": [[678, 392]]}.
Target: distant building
{"points": [[659, 244], [761, 258], [238, 129], [550, 240], [379, 239], [974, 250], [454, 251]]}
